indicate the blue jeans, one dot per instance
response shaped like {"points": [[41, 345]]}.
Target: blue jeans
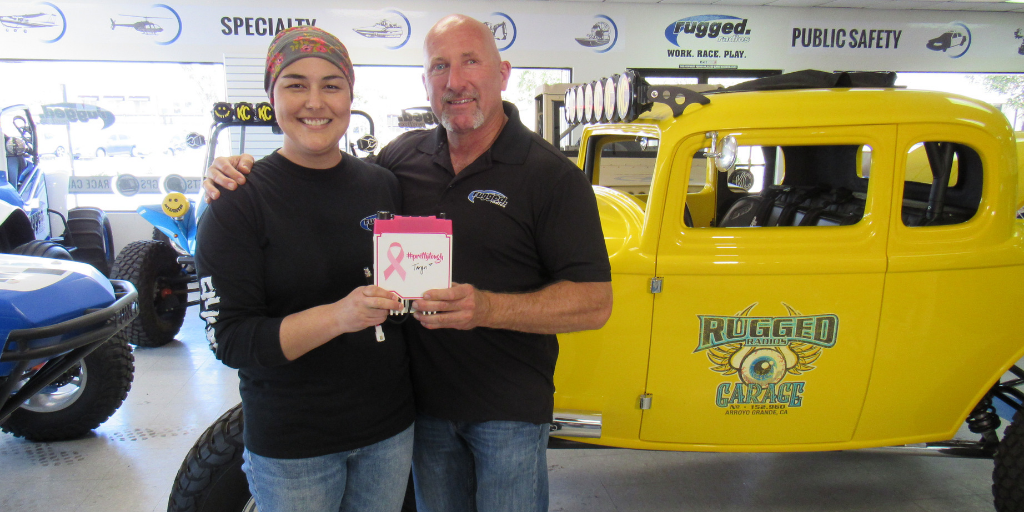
{"points": [[368, 479], [486, 466]]}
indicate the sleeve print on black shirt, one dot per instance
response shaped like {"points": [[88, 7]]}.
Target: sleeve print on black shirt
{"points": [[209, 309]]}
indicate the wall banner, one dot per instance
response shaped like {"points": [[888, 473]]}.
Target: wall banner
{"points": [[593, 39]]}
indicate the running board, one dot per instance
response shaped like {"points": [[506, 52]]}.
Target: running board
{"points": [[576, 424], [955, 448]]}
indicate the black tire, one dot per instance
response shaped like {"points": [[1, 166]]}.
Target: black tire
{"points": [[1008, 475], [43, 249], [93, 238], [153, 268], [210, 478], [133, 152], [104, 378], [100, 153], [159, 235]]}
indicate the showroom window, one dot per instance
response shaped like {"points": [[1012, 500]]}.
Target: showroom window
{"points": [[110, 119], [1004, 91], [105, 124]]}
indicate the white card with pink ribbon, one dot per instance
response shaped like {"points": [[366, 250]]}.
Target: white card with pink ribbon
{"points": [[412, 255]]}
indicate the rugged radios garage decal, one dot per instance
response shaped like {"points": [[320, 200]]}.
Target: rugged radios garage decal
{"points": [[762, 351]]}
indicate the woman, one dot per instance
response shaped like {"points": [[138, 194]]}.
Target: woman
{"points": [[328, 409]]}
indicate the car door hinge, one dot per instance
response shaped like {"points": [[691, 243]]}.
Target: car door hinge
{"points": [[655, 285], [645, 401]]}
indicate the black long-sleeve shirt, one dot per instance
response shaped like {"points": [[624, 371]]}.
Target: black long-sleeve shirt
{"points": [[291, 239]]}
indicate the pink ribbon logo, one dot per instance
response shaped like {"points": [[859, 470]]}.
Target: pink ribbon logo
{"points": [[396, 262]]}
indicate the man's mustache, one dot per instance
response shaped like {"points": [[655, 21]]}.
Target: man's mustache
{"points": [[452, 96]]}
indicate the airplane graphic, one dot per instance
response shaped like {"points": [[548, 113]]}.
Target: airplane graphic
{"points": [[28, 21], [145, 26]]}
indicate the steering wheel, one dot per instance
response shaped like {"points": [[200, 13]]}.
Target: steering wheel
{"points": [[21, 124]]}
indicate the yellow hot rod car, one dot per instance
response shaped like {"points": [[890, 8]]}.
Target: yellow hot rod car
{"points": [[793, 258]]}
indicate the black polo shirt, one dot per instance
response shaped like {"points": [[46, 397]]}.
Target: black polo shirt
{"points": [[523, 216]]}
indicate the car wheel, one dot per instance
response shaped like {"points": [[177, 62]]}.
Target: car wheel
{"points": [[60, 151], [211, 478], [133, 151], [93, 238], [43, 249], [152, 266], [79, 400], [100, 153], [1008, 475]]}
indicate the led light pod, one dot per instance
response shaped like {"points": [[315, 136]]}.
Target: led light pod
{"points": [[609, 98], [579, 104], [588, 103], [244, 112], [598, 100], [222, 111], [570, 105], [265, 113], [625, 96]]}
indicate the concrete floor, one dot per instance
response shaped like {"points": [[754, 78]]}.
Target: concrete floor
{"points": [[128, 464]]}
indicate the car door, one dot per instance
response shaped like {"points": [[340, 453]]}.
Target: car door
{"points": [[764, 335], [600, 373]]}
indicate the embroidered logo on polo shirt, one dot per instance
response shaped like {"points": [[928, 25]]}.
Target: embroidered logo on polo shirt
{"points": [[490, 196], [367, 222]]}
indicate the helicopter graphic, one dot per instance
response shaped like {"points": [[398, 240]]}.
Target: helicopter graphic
{"points": [[145, 26], [27, 21]]}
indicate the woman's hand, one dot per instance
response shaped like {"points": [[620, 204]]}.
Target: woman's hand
{"points": [[365, 307]]}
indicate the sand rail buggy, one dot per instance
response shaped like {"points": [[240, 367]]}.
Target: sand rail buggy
{"points": [[25, 204], [61, 374]]}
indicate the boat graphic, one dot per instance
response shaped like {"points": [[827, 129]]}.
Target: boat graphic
{"points": [[599, 35], [381, 29]]}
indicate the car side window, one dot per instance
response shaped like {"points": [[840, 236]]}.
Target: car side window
{"points": [[942, 184], [622, 163], [793, 186]]}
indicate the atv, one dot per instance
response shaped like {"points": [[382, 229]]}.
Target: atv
{"points": [[61, 373]]}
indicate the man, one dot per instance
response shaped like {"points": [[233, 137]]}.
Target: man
{"points": [[530, 255]]}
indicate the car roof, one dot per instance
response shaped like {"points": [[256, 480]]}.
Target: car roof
{"points": [[833, 107]]}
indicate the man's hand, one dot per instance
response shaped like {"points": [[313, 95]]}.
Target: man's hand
{"points": [[561, 307], [228, 172], [460, 307]]}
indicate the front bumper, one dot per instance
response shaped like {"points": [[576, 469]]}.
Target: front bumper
{"points": [[88, 332]]}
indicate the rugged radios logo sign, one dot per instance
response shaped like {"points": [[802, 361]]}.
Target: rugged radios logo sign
{"points": [[762, 351], [715, 27]]}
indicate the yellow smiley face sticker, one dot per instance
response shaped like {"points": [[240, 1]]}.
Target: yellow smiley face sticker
{"points": [[176, 205]]}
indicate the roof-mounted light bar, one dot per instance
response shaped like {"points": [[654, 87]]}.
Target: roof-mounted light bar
{"points": [[622, 98]]}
